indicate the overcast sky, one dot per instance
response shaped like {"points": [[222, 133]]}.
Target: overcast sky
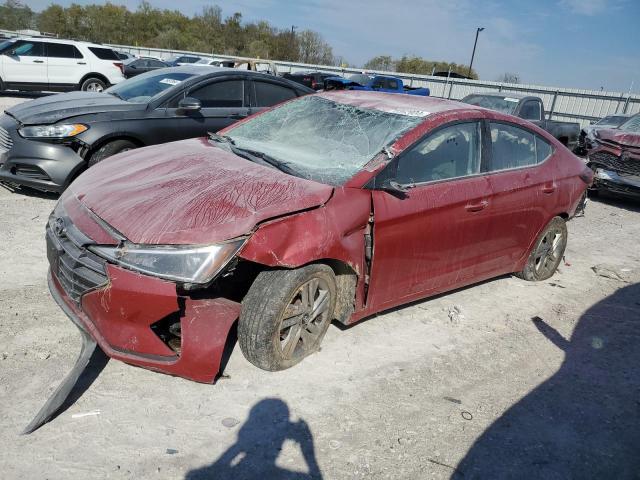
{"points": [[568, 43]]}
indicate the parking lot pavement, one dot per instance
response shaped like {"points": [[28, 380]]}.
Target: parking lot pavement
{"points": [[502, 379]]}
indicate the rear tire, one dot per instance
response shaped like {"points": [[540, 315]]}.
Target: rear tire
{"points": [[110, 148], [547, 252], [285, 315], [93, 84]]}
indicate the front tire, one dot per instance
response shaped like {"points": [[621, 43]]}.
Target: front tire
{"points": [[93, 84], [285, 315], [110, 148], [547, 252]]}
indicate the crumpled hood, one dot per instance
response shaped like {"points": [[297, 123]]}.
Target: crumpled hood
{"points": [[625, 139], [190, 192], [53, 108]]}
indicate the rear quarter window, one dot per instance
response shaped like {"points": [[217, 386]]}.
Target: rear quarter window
{"points": [[104, 53]]}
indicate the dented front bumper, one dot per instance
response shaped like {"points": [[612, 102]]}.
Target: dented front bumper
{"points": [[121, 317]]}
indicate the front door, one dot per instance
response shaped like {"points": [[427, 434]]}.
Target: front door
{"points": [[436, 236], [26, 64], [223, 102]]}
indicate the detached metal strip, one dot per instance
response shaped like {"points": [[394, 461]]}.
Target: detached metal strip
{"points": [[53, 405]]}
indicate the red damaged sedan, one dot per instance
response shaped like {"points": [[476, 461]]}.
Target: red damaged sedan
{"points": [[327, 207]]}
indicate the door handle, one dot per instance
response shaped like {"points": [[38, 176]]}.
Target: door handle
{"points": [[549, 188], [38, 61], [82, 63], [476, 207]]}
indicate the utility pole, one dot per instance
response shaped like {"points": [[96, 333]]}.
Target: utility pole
{"points": [[478, 30], [293, 32]]}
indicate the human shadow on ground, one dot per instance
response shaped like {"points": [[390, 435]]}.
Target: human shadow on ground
{"points": [[584, 421], [259, 442]]}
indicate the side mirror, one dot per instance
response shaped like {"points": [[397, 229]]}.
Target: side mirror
{"points": [[189, 104]]}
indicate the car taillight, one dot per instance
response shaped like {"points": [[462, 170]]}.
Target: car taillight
{"points": [[120, 65], [587, 175], [314, 84]]}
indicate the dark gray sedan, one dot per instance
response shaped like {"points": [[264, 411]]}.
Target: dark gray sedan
{"points": [[137, 66], [47, 142]]}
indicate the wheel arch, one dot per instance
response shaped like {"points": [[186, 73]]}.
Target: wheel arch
{"points": [[111, 137], [99, 76]]}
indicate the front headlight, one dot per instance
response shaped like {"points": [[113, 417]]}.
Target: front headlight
{"points": [[187, 264], [53, 131]]}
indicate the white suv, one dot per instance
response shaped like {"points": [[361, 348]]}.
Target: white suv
{"points": [[57, 65]]}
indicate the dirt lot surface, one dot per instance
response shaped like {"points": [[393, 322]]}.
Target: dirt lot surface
{"points": [[506, 379]]}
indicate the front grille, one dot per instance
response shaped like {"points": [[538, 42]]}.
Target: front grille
{"points": [[5, 140], [618, 164], [76, 268], [30, 171]]}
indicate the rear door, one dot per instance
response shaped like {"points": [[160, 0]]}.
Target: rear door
{"points": [[523, 190], [434, 237], [224, 101], [66, 64], [26, 64]]}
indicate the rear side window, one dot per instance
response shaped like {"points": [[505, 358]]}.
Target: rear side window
{"points": [[62, 50], [543, 149], [450, 152], [512, 147], [225, 94], [29, 49], [104, 53], [268, 94]]}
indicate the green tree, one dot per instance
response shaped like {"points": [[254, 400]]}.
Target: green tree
{"points": [[381, 62], [16, 16]]}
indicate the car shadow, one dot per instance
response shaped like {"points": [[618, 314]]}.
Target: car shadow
{"points": [[420, 301], [615, 201], [258, 445], [30, 192], [584, 421]]}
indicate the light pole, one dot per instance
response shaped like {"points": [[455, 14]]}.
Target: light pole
{"points": [[474, 50]]}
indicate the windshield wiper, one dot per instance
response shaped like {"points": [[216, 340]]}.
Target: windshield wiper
{"points": [[268, 159], [220, 138]]}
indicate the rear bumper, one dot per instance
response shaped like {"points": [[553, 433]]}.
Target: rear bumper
{"points": [[121, 318]]}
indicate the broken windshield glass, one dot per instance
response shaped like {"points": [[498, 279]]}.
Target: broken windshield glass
{"points": [[320, 139]]}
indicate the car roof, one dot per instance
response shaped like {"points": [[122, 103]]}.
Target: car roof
{"points": [[65, 40], [399, 103]]}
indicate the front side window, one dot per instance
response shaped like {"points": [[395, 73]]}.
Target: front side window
{"points": [[29, 49], [531, 110], [450, 152], [268, 94], [321, 139], [512, 147], [225, 94]]}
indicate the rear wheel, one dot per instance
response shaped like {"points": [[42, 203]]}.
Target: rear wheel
{"points": [[93, 84], [285, 315], [547, 252], [110, 148]]}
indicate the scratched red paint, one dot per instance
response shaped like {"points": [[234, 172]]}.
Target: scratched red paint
{"points": [[192, 192]]}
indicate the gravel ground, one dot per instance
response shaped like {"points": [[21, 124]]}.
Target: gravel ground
{"points": [[505, 379]]}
